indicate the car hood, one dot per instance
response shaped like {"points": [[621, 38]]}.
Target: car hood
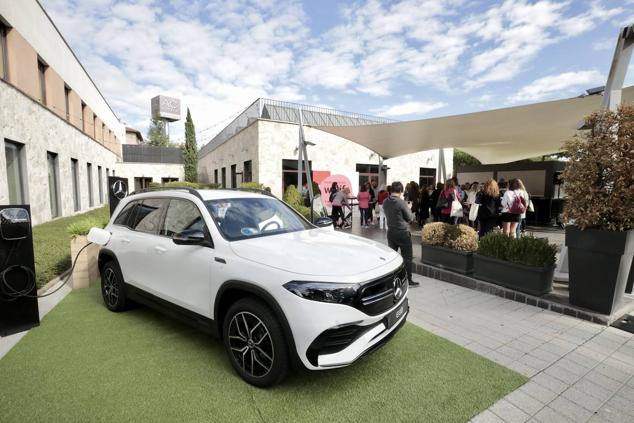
{"points": [[316, 252]]}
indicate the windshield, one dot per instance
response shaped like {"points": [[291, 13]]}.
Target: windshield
{"points": [[241, 218]]}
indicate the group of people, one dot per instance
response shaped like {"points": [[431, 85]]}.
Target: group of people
{"points": [[483, 206]]}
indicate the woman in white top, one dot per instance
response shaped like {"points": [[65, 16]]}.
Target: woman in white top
{"points": [[522, 222], [511, 215]]}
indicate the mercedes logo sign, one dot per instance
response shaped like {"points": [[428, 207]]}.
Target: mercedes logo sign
{"points": [[120, 189], [398, 288]]}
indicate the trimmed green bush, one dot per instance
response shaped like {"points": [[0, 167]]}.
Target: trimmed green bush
{"points": [[254, 186], [456, 237], [294, 198], [527, 250]]}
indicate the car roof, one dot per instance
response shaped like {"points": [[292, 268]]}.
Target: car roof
{"points": [[206, 194]]}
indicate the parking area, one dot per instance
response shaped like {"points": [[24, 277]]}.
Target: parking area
{"points": [[579, 371]]}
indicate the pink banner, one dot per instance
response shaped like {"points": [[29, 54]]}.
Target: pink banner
{"points": [[325, 186]]}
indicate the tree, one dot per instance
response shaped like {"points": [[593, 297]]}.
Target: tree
{"points": [[460, 158], [156, 133], [190, 151]]}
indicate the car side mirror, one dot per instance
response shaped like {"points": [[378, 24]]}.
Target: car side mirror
{"points": [[323, 222], [189, 237]]}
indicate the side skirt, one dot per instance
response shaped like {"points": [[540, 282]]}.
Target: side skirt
{"points": [[189, 317]]}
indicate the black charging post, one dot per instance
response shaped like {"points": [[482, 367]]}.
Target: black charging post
{"points": [[18, 289]]}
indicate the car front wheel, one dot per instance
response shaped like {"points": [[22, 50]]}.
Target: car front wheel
{"points": [[255, 343], [112, 289]]}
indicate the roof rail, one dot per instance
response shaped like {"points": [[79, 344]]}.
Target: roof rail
{"points": [[191, 191], [255, 190]]}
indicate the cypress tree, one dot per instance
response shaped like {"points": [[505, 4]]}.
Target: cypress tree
{"points": [[190, 152]]}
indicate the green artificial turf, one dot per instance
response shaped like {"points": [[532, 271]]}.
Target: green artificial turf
{"points": [[86, 364], [51, 243]]}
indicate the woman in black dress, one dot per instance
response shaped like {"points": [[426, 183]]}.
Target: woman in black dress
{"points": [[489, 209]]}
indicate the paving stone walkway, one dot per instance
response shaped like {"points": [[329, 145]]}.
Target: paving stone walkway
{"points": [[579, 371]]}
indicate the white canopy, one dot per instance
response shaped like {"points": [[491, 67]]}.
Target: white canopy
{"points": [[494, 136]]}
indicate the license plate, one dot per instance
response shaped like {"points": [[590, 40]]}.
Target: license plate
{"points": [[396, 315]]}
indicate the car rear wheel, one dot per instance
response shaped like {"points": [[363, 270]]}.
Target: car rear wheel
{"points": [[112, 289], [255, 343]]}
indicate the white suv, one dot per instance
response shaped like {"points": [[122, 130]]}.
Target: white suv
{"points": [[247, 268]]}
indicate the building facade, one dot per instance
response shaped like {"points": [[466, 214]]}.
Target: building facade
{"points": [[261, 146], [59, 138]]}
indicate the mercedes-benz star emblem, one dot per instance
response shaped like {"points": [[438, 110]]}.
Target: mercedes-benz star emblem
{"points": [[119, 189], [398, 288]]}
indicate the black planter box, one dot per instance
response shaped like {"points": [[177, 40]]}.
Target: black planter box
{"points": [[446, 258], [531, 280], [599, 265]]}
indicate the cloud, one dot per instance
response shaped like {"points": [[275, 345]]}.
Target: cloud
{"points": [[409, 108], [605, 44], [556, 85]]}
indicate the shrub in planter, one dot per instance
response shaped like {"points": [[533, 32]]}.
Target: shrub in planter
{"points": [[294, 198], [525, 264], [599, 181], [449, 246]]}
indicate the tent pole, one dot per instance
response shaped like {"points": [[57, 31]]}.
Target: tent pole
{"points": [[618, 69], [381, 181], [304, 154], [300, 150]]}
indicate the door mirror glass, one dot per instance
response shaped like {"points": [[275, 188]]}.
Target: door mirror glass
{"points": [[189, 237], [323, 222]]}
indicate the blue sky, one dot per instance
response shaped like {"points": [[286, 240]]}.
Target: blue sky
{"points": [[400, 59]]}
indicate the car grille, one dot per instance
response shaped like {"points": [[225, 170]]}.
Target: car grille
{"points": [[377, 296]]}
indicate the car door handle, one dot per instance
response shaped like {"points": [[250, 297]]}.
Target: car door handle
{"points": [[125, 241], [160, 250]]}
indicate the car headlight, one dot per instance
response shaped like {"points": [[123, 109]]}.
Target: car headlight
{"points": [[326, 292]]}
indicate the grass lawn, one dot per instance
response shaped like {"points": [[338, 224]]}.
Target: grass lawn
{"points": [[85, 364], [52, 244]]}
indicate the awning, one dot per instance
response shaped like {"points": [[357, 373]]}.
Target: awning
{"points": [[494, 136]]}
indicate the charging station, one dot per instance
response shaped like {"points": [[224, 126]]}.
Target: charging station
{"points": [[117, 191], [18, 290]]}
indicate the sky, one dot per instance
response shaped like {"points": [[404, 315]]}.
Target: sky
{"points": [[403, 60]]}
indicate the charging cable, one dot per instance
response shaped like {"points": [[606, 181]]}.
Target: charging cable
{"points": [[8, 290]]}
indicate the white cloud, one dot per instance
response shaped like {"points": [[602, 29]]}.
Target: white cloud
{"points": [[605, 44], [409, 108], [556, 85]]}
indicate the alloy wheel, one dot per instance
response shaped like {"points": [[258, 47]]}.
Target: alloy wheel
{"points": [[251, 344], [110, 287]]}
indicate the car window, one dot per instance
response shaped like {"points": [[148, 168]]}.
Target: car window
{"points": [[241, 218], [181, 215], [124, 216], [147, 215]]}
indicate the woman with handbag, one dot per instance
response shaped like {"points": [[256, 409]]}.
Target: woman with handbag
{"points": [[488, 201], [450, 204]]}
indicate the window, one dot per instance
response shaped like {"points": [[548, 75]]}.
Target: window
{"points": [[4, 54], [124, 216], [166, 180], [216, 176], [14, 153], [103, 132], [74, 169], [67, 101], [100, 180], [89, 171], [182, 215], [83, 116], [53, 185], [147, 216], [94, 126], [41, 70], [234, 179], [241, 218], [426, 176], [247, 172], [224, 177], [141, 183], [289, 173]]}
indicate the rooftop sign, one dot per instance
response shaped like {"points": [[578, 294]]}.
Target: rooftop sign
{"points": [[167, 108]]}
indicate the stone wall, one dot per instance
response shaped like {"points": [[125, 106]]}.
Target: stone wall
{"points": [[27, 122], [156, 171]]}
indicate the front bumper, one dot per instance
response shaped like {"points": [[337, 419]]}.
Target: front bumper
{"points": [[342, 351]]}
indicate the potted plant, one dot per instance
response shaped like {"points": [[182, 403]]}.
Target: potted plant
{"points": [[599, 183], [86, 270], [525, 264], [449, 246]]}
